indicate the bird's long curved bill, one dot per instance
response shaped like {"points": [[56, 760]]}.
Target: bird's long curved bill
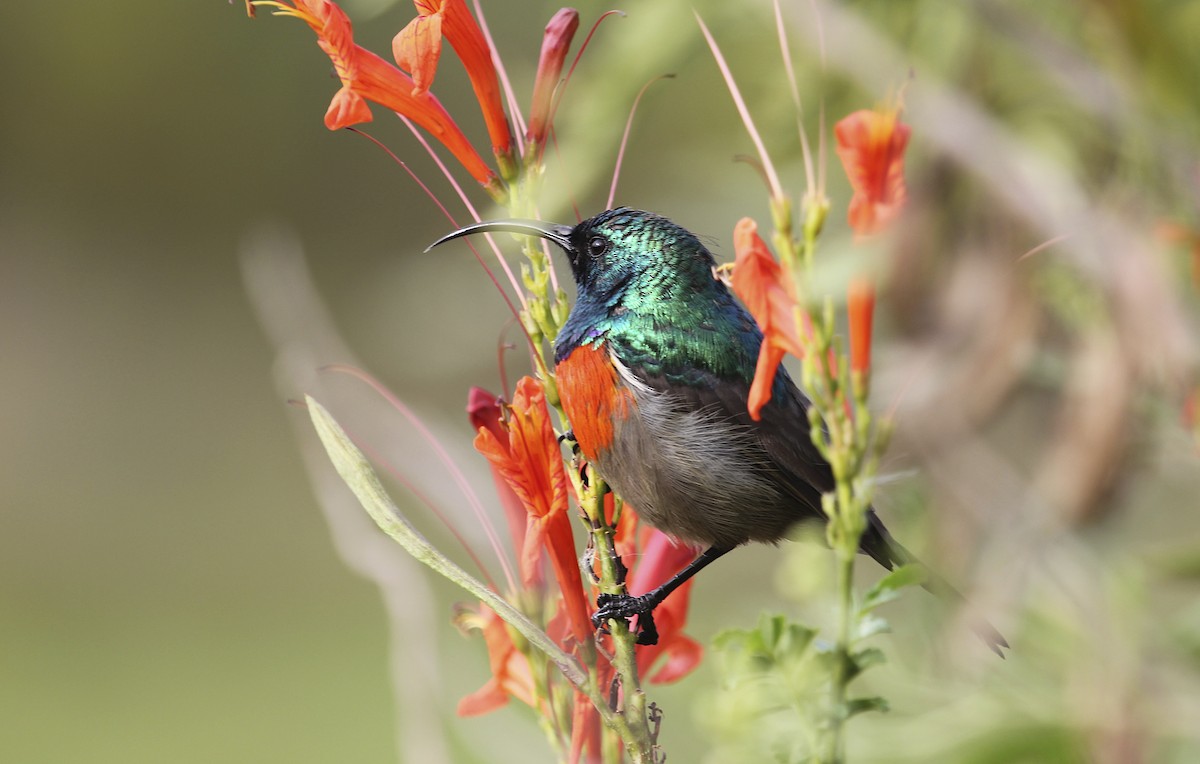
{"points": [[559, 234]]}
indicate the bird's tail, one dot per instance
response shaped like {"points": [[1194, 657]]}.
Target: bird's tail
{"points": [[879, 544]]}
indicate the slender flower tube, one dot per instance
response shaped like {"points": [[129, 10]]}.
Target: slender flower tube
{"points": [[555, 44], [418, 47], [871, 146], [860, 311], [367, 77]]}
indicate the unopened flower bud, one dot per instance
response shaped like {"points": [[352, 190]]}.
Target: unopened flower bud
{"points": [[555, 44]]}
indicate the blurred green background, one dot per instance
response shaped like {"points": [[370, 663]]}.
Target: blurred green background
{"points": [[169, 589]]}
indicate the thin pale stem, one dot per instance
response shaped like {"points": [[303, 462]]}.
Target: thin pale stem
{"points": [[612, 190], [740, 103]]}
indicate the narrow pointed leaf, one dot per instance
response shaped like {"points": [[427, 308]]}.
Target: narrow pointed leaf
{"points": [[888, 588], [356, 472]]}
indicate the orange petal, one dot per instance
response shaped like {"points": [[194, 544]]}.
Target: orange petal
{"points": [[347, 108], [769, 358], [387, 86], [472, 48], [483, 411], [683, 656], [531, 463], [484, 700], [560, 543], [417, 48], [510, 669], [585, 730], [871, 145], [759, 281]]}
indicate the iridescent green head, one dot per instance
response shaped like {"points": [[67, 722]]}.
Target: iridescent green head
{"points": [[621, 255]]}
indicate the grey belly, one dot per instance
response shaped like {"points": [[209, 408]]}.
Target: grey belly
{"points": [[697, 476]]}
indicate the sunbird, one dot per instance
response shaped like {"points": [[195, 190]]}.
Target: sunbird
{"points": [[654, 366]]}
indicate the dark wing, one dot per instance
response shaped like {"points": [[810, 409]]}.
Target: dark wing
{"points": [[710, 367], [791, 460]]}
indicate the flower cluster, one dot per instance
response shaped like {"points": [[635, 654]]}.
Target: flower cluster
{"points": [[404, 87], [522, 448]]}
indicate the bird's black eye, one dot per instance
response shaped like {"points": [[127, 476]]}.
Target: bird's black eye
{"points": [[597, 245]]}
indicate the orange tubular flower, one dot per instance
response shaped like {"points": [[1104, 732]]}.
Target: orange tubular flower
{"points": [[555, 44], [860, 309], [1191, 414], [367, 77], [585, 730], [483, 411], [511, 676], [767, 293], [662, 557], [419, 45], [871, 146], [531, 463]]}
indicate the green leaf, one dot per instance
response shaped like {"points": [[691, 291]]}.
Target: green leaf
{"points": [[862, 705], [771, 630], [870, 625], [356, 472], [888, 588], [868, 657], [863, 660]]}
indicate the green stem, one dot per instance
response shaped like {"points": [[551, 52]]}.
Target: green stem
{"points": [[639, 745], [834, 752]]}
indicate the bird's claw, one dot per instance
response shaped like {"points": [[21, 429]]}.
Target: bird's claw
{"points": [[622, 607]]}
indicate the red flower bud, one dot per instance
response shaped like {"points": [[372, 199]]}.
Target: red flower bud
{"points": [[860, 309], [555, 44]]}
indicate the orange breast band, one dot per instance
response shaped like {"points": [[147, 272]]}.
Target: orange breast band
{"points": [[593, 397]]}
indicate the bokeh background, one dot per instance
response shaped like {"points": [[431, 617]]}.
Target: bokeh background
{"points": [[180, 238]]}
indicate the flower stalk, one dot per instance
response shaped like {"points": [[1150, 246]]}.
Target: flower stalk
{"points": [[871, 146]]}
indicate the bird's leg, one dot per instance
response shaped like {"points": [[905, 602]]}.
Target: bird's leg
{"points": [[625, 606]]}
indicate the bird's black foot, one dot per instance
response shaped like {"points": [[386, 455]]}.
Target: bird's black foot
{"points": [[622, 607]]}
